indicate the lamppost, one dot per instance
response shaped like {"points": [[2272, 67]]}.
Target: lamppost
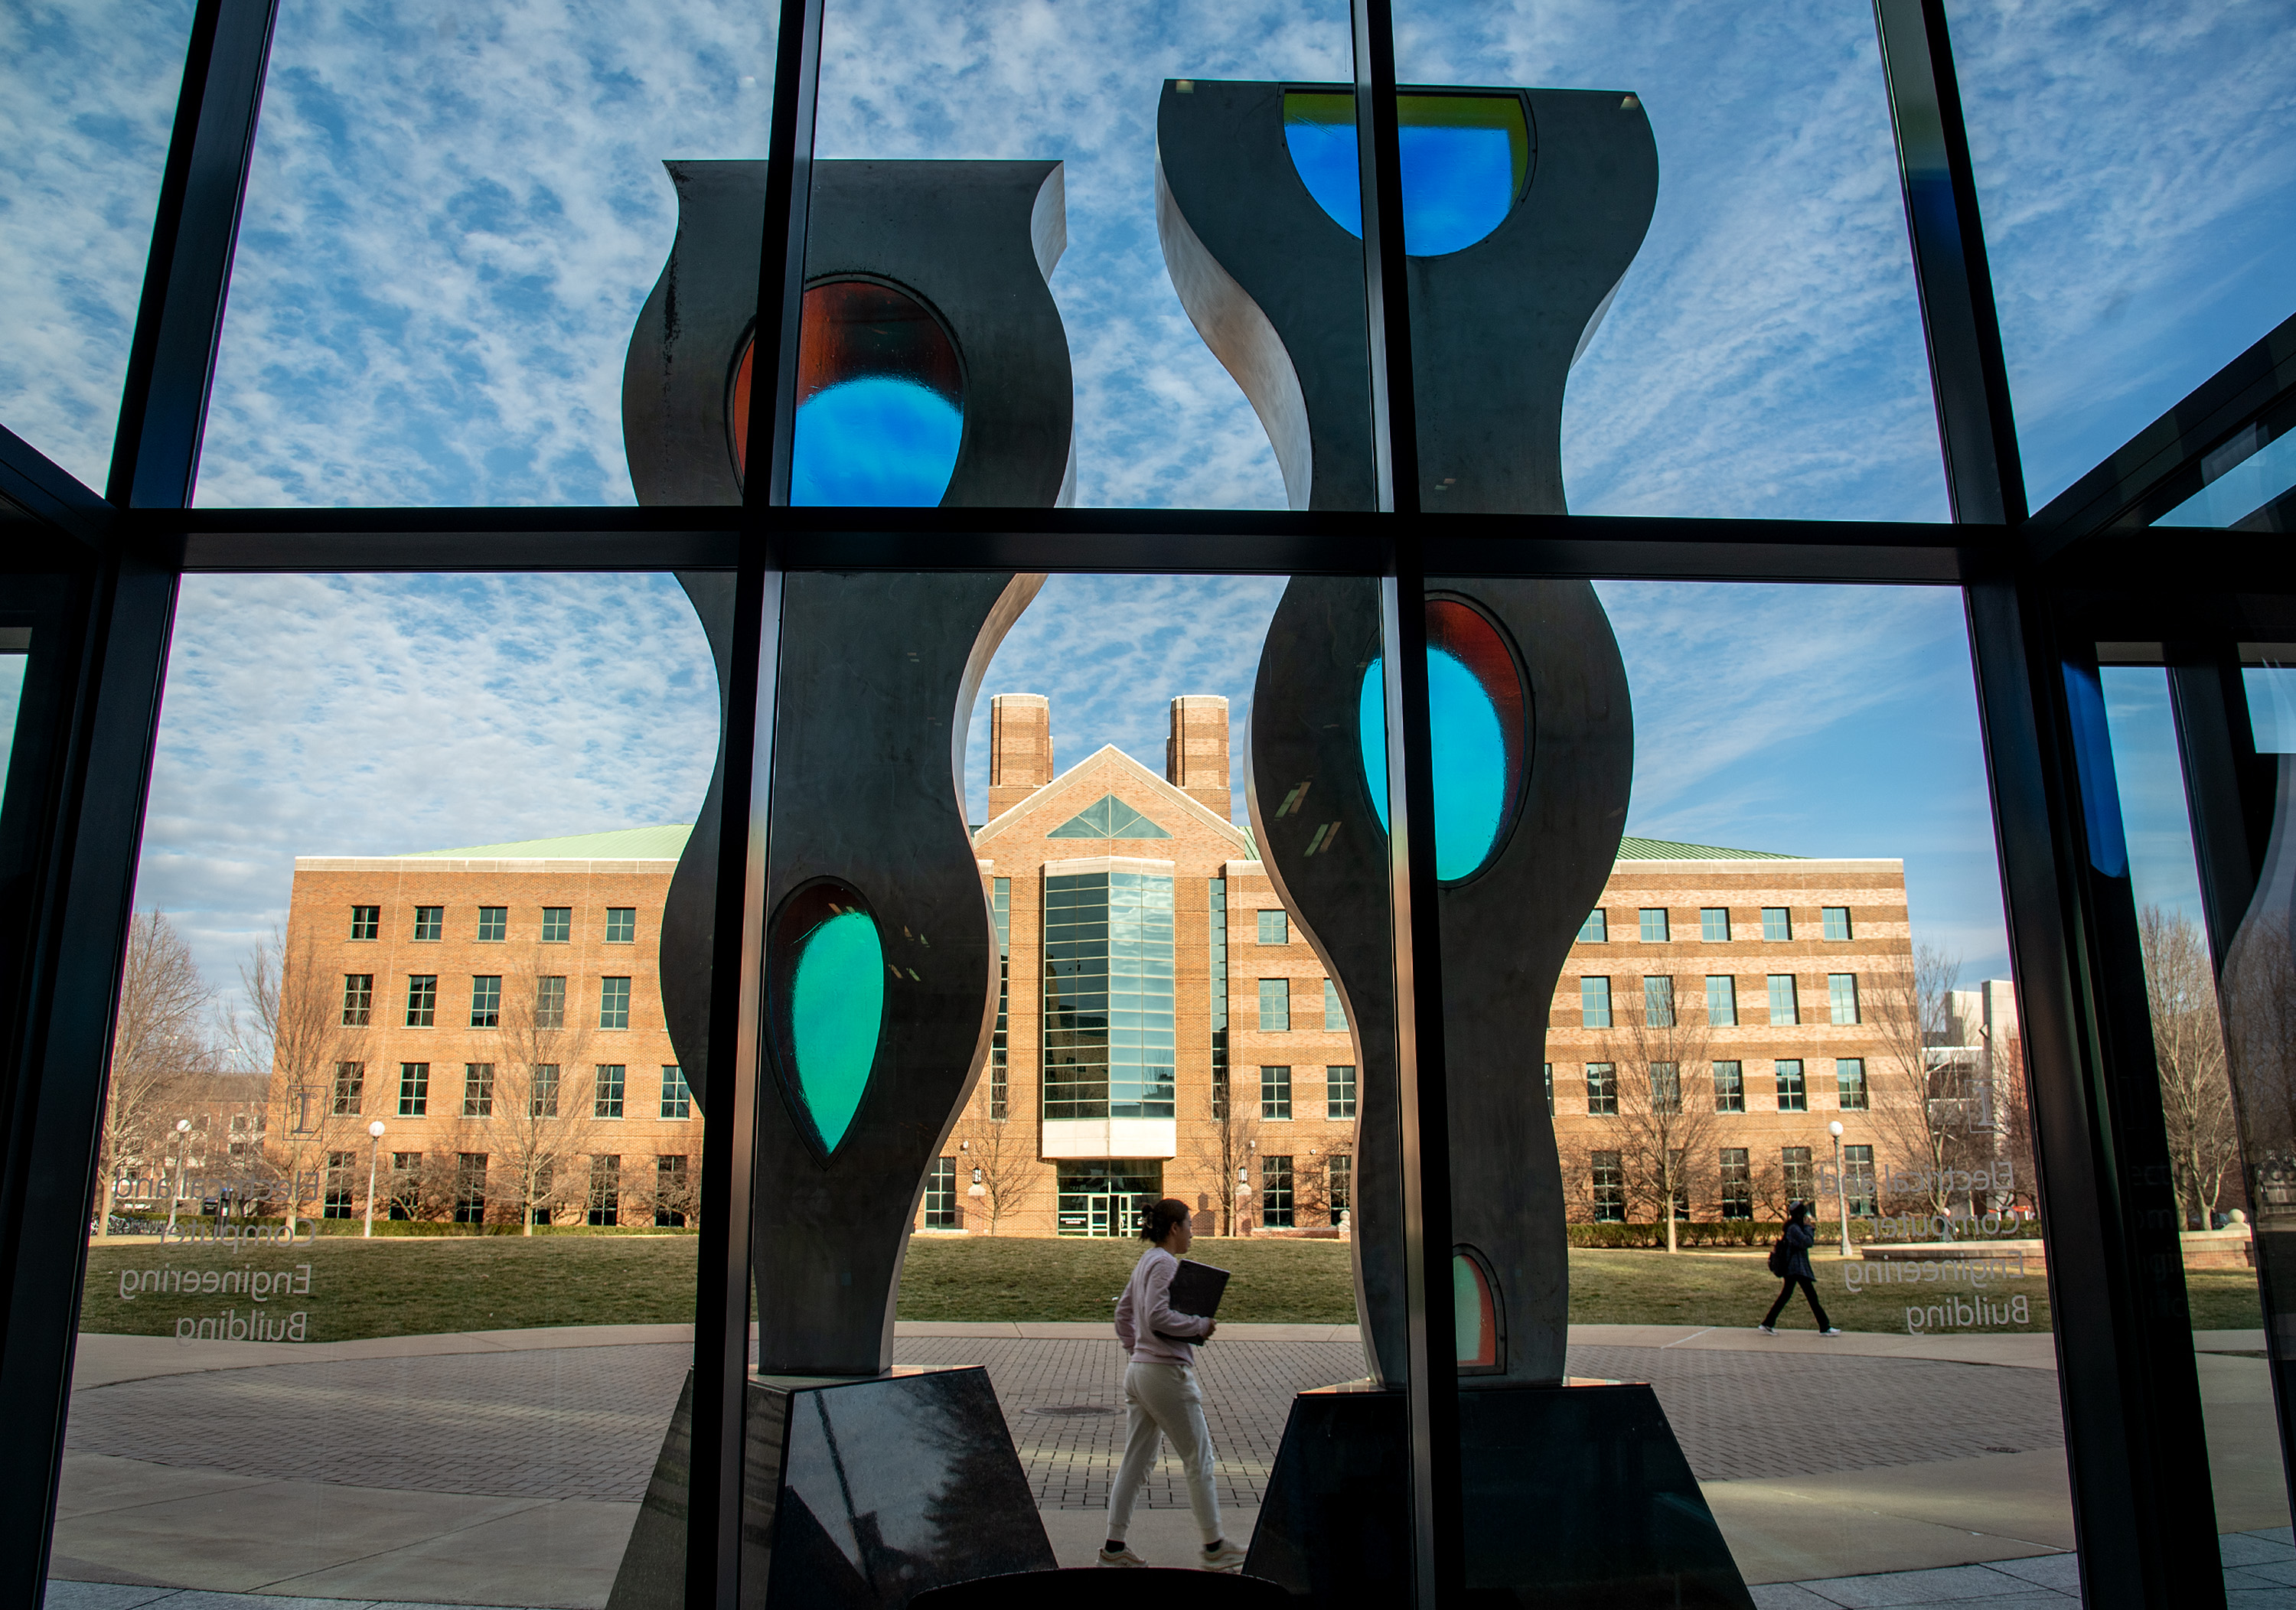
{"points": [[1841, 1187], [373, 1140], [182, 1140]]}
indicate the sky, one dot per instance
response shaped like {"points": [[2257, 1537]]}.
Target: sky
{"points": [[454, 217]]}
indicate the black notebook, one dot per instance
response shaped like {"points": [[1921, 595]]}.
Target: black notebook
{"points": [[1196, 1290]]}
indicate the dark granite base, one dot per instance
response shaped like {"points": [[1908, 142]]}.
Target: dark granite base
{"points": [[861, 1493], [1576, 1496]]}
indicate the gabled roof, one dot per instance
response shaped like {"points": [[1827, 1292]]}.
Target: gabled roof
{"points": [[1172, 804], [1666, 849], [666, 842]]}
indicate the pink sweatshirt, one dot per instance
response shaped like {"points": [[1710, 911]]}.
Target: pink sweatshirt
{"points": [[1146, 1308]]}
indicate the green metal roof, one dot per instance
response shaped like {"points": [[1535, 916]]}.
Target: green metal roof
{"points": [[665, 843], [1666, 849]]}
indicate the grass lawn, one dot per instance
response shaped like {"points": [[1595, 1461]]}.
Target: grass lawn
{"points": [[409, 1286]]}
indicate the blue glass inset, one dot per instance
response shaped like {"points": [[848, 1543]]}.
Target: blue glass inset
{"points": [[827, 968], [879, 441], [1471, 783], [1464, 162]]}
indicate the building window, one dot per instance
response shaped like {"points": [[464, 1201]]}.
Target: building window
{"points": [[340, 1202], [1653, 925], [611, 1076], [470, 1188], [1602, 1090], [1784, 1006], [1799, 1177], [1857, 1180], [557, 924], [1666, 1087], [350, 1088], [358, 998], [1778, 923], [422, 998], [1793, 1095], [1274, 927], [1714, 924], [669, 1191], [676, 1095], [366, 922], [940, 1195], [486, 1001], [413, 1090], [1108, 960], [494, 924], [1658, 1002], [1275, 1193], [1722, 1001], [1837, 921], [1609, 1182], [1729, 1087], [1274, 1006], [1842, 995], [550, 1003], [544, 1102], [1335, 1016], [1597, 928], [429, 921], [1850, 1082], [1342, 1176], [404, 1168], [1594, 1002], [1548, 1067], [613, 1003], [1338, 1093], [1000, 1049], [1737, 1183], [1218, 994], [478, 1089], [605, 1203], [1274, 1092]]}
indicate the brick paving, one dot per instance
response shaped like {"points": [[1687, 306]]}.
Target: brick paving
{"points": [[586, 1422]]}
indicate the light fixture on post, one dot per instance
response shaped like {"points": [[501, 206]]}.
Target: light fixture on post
{"points": [[1841, 1187], [976, 1189], [373, 1140]]}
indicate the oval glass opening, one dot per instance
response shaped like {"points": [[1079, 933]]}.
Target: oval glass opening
{"points": [[880, 400], [825, 988], [1465, 159], [1474, 1314], [1478, 710]]}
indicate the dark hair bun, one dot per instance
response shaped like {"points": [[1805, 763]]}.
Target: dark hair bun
{"points": [[1156, 1221]]}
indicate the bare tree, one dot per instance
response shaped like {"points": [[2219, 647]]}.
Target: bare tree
{"points": [[540, 1119], [1666, 1119], [1007, 1161], [2012, 1108], [1311, 1187], [1229, 1142], [2260, 1014], [2188, 1048], [1927, 1104], [297, 1033], [155, 1046]]}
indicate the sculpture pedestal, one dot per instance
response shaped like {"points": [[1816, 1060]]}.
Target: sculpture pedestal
{"points": [[1575, 1495], [861, 1492]]}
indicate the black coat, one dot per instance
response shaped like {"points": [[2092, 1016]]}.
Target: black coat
{"points": [[1799, 1237]]}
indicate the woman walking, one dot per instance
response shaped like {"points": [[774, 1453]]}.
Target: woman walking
{"points": [[1161, 1395], [1793, 1252]]}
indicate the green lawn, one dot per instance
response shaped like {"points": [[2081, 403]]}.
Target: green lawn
{"points": [[409, 1286]]}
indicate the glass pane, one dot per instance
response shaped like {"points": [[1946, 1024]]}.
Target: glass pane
{"points": [[2246, 484], [1671, 274], [88, 102], [2225, 1116], [1091, 213], [392, 1231], [455, 225], [2137, 167]]}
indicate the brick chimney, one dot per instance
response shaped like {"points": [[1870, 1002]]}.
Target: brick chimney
{"points": [[1020, 748], [1195, 756]]}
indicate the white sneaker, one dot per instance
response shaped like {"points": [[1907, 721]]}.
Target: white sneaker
{"points": [[1768, 1330], [1831, 1330], [1122, 1559], [1227, 1557]]}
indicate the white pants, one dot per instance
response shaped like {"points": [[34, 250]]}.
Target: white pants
{"points": [[1162, 1400]]}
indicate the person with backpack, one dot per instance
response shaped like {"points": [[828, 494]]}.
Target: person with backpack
{"points": [[1790, 1262]]}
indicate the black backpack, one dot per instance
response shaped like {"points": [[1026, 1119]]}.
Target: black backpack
{"points": [[1781, 1258]]}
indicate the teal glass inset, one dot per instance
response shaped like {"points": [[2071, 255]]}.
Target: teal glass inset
{"points": [[1478, 711], [825, 974], [1108, 817], [1465, 159]]}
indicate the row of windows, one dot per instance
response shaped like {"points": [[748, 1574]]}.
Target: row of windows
{"points": [[1339, 1093], [1595, 1000], [1656, 927], [1275, 1007], [537, 1091], [1278, 1199], [494, 923], [486, 1001], [603, 1203], [1733, 1181], [1666, 1092]]}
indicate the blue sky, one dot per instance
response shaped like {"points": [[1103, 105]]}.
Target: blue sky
{"points": [[454, 217]]}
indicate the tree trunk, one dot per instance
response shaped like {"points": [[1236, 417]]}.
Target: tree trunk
{"points": [[1669, 1217]]}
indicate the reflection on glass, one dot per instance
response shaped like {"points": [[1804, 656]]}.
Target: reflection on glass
{"points": [[1464, 162], [1476, 705], [831, 1003], [1474, 1317], [2268, 676], [2246, 484]]}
